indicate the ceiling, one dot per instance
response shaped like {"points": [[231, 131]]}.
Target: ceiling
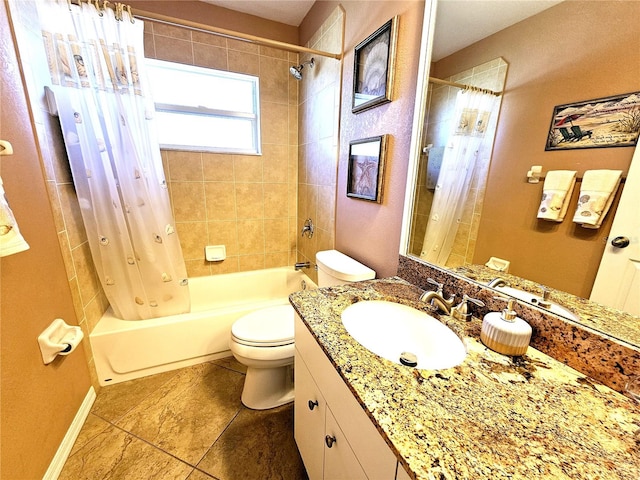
{"points": [[459, 22]]}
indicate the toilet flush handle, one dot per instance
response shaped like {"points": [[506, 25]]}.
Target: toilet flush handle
{"points": [[312, 404]]}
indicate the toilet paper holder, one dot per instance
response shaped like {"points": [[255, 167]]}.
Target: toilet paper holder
{"points": [[59, 339]]}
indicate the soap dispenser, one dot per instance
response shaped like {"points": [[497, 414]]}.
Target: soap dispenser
{"points": [[505, 332]]}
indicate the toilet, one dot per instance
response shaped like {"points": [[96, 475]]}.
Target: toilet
{"points": [[263, 340]]}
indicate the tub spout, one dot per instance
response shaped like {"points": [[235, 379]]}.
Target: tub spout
{"points": [[301, 265]]}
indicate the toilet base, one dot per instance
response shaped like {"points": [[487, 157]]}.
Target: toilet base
{"points": [[266, 388]]}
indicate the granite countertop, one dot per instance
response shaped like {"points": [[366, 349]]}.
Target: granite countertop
{"points": [[610, 321], [492, 417]]}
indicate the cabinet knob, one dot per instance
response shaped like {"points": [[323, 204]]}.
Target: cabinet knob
{"points": [[312, 404], [329, 440]]}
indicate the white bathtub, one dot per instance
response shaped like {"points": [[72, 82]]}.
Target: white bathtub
{"points": [[124, 350]]}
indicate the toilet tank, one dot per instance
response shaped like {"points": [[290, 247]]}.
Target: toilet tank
{"points": [[335, 268]]}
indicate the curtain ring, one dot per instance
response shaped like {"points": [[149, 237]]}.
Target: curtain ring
{"points": [[131, 19]]}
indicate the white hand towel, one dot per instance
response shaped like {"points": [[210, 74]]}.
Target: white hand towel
{"points": [[11, 240], [596, 195], [556, 194]]}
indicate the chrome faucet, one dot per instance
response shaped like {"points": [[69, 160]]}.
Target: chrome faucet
{"points": [[498, 282], [307, 228], [301, 265]]}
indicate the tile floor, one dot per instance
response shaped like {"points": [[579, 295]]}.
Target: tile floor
{"points": [[187, 424]]}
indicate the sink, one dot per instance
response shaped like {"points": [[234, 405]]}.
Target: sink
{"points": [[403, 335], [535, 299]]}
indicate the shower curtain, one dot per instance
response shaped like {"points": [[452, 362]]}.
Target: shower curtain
{"points": [[96, 62], [473, 110]]}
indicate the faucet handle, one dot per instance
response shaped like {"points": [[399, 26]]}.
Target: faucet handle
{"points": [[438, 285], [544, 297], [461, 311]]}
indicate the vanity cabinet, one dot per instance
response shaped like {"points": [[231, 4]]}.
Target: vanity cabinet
{"points": [[336, 438]]}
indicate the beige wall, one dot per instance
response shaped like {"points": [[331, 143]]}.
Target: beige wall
{"points": [[245, 202], [554, 58], [38, 401], [368, 231]]}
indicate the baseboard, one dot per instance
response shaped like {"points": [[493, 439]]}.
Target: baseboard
{"points": [[59, 459]]}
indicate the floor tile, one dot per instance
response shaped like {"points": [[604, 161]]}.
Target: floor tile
{"points": [[114, 454], [231, 363], [186, 415], [257, 445], [116, 400], [93, 425]]}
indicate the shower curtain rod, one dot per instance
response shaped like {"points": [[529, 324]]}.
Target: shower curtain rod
{"points": [[156, 17], [463, 86]]}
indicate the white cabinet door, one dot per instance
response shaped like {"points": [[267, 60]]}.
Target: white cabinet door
{"points": [[309, 420], [617, 283], [340, 463]]}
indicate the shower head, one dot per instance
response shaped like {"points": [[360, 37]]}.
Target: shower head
{"points": [[296, 71]]}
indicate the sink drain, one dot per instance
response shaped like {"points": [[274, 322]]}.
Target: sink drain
{"points": [[409, 359]]}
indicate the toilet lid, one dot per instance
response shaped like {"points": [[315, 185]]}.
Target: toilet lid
{"points": [[271, 326]]}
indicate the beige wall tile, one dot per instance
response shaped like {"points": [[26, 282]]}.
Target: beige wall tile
{"points": [[243, 62], [188, 201], [276, 203], [275, 160], [247, 168], [230, 265], [184, 166], [275, 123], [207, 38], [193, 239], [276, 259], [86, 273], [210, 56], [197, 268], [274, 80], [276, 234], [217, 167], [251, 237], [224, 233], [73, 217], [250, 200], [250, 262], [173, 50], [221, 201]]}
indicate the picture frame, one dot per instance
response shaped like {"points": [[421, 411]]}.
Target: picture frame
{"points": [[603, 122], [365, 173], [373, 68]]}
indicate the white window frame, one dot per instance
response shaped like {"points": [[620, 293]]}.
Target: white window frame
{"points": [[211, 113]]}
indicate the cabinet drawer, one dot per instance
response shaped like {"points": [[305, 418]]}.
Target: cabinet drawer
{"points": [[375, 456]]}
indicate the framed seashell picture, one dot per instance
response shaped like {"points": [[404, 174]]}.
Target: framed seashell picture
{"points": [[374, 66]]}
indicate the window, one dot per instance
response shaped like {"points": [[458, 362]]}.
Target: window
{"points": [[204, 109]]}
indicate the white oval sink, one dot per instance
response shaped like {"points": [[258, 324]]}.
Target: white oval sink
{"points": [[535, 300], [392, 331]]}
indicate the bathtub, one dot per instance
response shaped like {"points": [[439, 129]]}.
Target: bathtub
{"points": [[124, 350]]}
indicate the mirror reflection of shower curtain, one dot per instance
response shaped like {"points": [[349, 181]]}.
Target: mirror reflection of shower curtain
{"points": [[96, 64], [473, 110]]}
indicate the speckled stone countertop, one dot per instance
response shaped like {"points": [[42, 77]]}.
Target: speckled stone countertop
{"points": [[615, 323], [492, 417]]}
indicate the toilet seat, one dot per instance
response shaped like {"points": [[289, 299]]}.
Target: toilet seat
{"points": [[267, 327]]}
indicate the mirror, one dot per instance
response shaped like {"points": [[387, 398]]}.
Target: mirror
{"points": [[564, 256]]}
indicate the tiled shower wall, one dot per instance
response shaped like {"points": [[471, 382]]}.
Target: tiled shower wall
{"points": [[318, 137], [245, 202]]}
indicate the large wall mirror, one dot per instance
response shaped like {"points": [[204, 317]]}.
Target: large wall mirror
{"points": [[525, 56]]}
